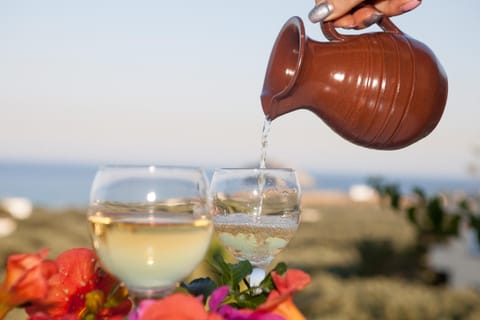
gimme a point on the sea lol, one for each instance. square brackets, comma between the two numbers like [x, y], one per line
[68, 185]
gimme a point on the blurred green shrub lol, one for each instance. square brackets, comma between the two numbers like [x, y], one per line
[433, 220]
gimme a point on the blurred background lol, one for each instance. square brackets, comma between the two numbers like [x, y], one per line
[84, 83]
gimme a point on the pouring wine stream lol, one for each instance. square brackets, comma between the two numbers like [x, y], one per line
[258, 274]
[256, 211]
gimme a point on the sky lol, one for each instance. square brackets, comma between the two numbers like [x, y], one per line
[178, 82]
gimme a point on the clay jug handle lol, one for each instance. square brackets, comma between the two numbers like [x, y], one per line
[331, 33]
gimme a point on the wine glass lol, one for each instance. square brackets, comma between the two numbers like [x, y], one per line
[150, 225]
[255, 212]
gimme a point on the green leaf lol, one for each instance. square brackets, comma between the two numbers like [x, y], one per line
[280, 268]
[200, 286]
[220, 266]
[239, 271]
[231, 274]
[245, 300]
[267, 284]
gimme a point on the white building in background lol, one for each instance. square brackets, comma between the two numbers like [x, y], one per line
[11, 209]
[18, 207]
[362, 193]
[7, 226]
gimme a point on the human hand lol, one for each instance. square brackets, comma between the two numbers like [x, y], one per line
[358, 14]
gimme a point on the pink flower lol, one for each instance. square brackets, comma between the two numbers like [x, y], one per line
[140, 309]
[229, 313]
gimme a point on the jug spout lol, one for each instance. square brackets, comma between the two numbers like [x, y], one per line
[381, 90]
[283, 70]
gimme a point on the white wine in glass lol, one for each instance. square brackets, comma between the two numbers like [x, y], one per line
[150, 225]
[256, 212]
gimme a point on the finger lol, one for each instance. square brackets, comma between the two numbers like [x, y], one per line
[366, 16]
[326, 10]
[346, 21]
[359, 19]
[396, 7]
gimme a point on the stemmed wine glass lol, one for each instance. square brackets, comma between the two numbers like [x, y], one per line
[255, 212]
[150, 225]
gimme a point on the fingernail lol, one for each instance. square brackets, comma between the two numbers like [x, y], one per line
[410, 5]
[374, 18]
[320, 12]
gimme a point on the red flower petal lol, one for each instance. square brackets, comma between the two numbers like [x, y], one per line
[280, 301]
[26, 278]
[75, 278]
[19, 264]
[78, 274]
[293, 280]
[177, 307]
[77, 268]
[283, 306]
[67, 288]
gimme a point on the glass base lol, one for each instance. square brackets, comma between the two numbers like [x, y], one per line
[139, 293]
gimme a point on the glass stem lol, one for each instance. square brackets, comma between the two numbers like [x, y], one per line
[256, 277]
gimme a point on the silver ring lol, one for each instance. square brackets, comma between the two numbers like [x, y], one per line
[320, 12]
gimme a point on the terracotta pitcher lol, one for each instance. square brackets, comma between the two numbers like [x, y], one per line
[382, 90]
